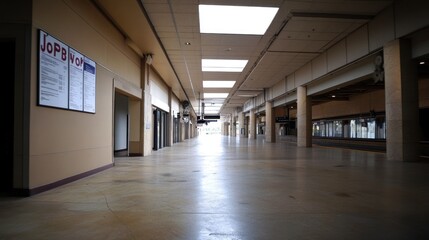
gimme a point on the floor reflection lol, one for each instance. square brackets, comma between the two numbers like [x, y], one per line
[214, 199]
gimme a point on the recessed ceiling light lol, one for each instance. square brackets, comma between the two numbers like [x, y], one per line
[187, 43]
[215, 95]
[223, 19]
[218, 84]
[333, 96]
[421, 63]
[223, 65]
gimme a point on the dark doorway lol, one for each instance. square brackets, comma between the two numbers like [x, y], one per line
[121, 125]
[7, 68]
[176, 130]
[159, 129]
[424, 120]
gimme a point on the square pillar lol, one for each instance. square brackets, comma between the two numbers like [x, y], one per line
[303, 118]
[402, 109]
[252, 124]
[145, 111]
[241, 118]
[170, 118]
[233, 127]
[269, 123]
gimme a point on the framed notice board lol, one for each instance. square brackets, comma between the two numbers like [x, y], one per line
[66, 78]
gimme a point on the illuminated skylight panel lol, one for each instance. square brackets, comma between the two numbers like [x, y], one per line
[223, 65]
[215, 95]
[212, 112]
[223, 19]
[218, 84]
[206, 109]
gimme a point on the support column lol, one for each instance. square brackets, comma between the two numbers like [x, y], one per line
[252, 125]
[170, 120]
[222, 129]
[145, 111]
[269, 123]
[402, 109]
[241, 118]
[187, 129]
[303, 118]
[233, 127]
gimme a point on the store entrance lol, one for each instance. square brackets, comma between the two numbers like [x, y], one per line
[7, 68]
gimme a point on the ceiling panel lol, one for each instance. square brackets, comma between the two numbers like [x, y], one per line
[274, 66]
[301, 40]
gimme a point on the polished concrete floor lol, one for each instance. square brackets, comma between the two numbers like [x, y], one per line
[215, 187]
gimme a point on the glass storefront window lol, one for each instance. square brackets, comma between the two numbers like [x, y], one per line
[358, 129]
[368, 128]
[330, 129]
[371, 128]
[364, 129]
[322, 129]
[381, 127]
[353, 128]
[346, 128]
[338, 129]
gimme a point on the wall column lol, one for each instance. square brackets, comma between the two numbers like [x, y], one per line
[252, 124]
[222, 129]
[303, 118]
[233, 127]
[241, 118]
[187, 129]
[402, 109]
[170, 121]
[269, 123]
[145, 111]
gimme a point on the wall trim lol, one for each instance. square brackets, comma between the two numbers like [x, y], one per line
[37, 190]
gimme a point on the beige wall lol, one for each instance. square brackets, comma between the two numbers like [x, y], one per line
[66, 143]
[358, 104]
[364, 103]
[134, 138]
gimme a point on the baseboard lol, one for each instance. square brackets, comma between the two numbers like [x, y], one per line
[37, 190]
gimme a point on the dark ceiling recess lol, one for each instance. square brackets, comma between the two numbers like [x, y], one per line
[423, 67]
[344, 93]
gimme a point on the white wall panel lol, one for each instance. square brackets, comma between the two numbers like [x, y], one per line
[337, 56]
[175, 106]
[381, 29]
[260, 99]
[159, 94]
[290, 98]
[319, 66]
[248, 105]
[279, 102]
[420, 44]
[269, 94]
[303, 75]
[357, 44]
[361, 70]
[290, 82]
[410, 16]
[279, 88]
